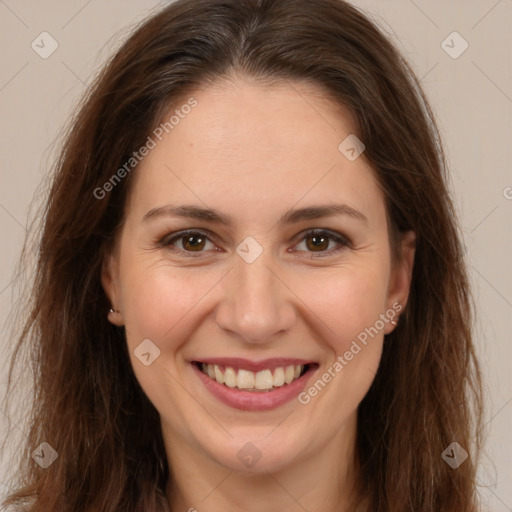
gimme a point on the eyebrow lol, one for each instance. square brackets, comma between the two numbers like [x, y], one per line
[289, 217]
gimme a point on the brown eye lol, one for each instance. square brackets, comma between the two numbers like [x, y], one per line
[323, 242]
[318, 242]
[188, 242]
[193, 242]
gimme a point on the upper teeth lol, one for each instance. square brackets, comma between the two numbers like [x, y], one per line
[245, 379]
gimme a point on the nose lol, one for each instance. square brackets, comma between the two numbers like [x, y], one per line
[256, 304]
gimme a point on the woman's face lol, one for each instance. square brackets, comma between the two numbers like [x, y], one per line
[250, 173]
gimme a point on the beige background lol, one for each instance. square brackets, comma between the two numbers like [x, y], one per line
[471, 95]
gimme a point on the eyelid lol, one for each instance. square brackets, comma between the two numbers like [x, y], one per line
[341, 240]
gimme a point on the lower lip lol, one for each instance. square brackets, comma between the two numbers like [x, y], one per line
[255, 400]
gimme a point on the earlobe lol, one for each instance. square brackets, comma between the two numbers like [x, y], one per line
[401, 277]
[109, 282]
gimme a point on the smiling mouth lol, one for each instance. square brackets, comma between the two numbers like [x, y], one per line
[245, 380]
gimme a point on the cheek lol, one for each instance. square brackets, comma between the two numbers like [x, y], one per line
[162, 305]
[345, 301]
[159, 302]
[349, 308]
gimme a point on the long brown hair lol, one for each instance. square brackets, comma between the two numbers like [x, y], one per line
[87, 403]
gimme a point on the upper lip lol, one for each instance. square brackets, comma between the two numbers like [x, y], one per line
[254, 366]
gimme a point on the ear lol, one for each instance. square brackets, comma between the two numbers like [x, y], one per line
[110, 284]
[401, 276]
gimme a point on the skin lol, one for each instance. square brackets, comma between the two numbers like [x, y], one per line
[254, 151]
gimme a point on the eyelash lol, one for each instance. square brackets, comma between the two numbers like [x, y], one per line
[343, 242]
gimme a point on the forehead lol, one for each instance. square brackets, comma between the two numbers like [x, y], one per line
[252, 147]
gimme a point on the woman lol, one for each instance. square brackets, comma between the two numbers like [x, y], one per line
[250, 291]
